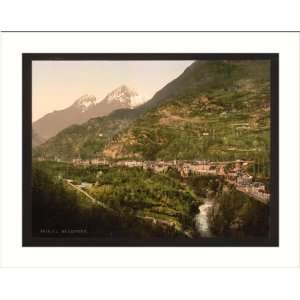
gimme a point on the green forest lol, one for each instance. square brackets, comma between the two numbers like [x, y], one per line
[57, 208]
[158, 205]
[214, 111]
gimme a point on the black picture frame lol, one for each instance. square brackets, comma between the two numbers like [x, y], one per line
[29, 241]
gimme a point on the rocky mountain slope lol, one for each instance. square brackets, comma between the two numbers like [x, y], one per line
[85, 108]
[215, 110]
[36, 139]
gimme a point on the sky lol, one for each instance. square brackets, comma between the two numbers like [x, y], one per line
[58, 84]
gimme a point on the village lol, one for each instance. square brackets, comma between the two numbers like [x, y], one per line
[235, 174]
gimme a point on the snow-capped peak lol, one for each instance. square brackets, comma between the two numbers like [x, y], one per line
[124, 95]
[85, 102]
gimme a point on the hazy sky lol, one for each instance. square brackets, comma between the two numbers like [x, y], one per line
[57, 84]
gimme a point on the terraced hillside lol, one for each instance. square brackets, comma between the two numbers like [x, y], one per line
[215, 121]
[215, 110]
[85, 140]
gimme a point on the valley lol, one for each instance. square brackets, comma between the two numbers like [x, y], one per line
[166, 198]
[192, 162]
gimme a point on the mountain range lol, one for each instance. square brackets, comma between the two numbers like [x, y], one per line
[36, 139]
[215, 110]
[83, 109]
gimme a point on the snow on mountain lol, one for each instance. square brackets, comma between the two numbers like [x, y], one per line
[85, 102]
[124, 95]
[85, 108]
[137, 100]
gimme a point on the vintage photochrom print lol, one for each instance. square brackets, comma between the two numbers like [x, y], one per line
[150, 149]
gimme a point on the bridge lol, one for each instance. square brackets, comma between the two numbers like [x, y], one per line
[261, 197]
[252, 192]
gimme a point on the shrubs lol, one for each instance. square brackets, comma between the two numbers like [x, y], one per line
[237, 215]
[57, 208]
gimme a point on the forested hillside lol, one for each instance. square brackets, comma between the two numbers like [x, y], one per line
[216, 110]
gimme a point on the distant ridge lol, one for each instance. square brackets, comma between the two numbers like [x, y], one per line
[85, 108]
[215, 110]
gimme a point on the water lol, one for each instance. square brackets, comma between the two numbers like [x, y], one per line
[201, 219]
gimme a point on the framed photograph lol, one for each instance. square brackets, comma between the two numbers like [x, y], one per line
[150, 149]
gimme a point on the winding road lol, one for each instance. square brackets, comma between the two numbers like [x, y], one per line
[152, 219]
[87, 195]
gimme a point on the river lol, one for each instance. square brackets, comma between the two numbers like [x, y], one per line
[201, 219]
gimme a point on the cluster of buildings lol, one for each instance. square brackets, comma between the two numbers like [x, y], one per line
[158, 166]
[184, 167]
[198, 168]
[90, 162]
[232, 171]
[236, 175]
[244, 183]
[256, 190]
